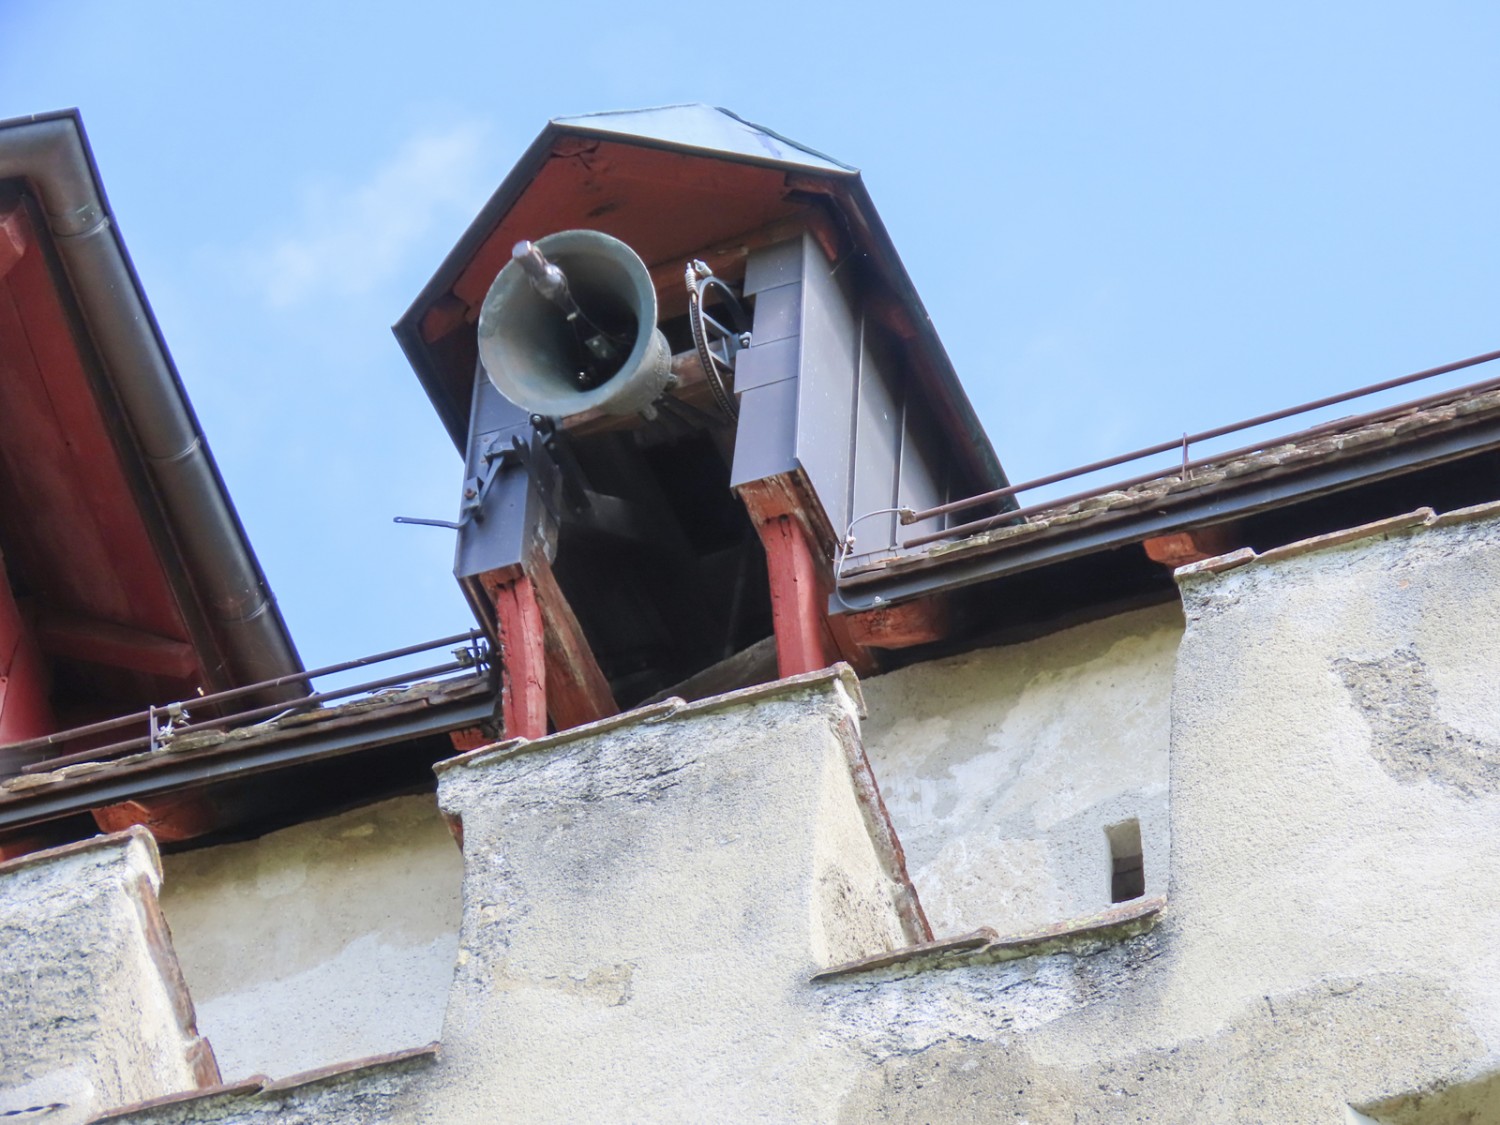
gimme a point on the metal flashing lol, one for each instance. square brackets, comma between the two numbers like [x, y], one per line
[705, 128]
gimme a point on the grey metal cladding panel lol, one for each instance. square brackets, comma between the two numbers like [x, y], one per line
[511, 512]
[765, 442]
[775, 265]
[877, 442]
[826, 384]
[510, 507]
[923, 465]
[778, 313]
[763, 364]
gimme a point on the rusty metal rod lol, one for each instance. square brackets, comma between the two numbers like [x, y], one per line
[117, 749]
[1189, 439]
[1351, 422]
[46, 740]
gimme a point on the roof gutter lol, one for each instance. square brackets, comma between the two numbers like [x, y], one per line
[50, 153]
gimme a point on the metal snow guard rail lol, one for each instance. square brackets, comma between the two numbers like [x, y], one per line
[1187, 440]
[172, 719]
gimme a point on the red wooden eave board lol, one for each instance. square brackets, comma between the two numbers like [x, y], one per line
[71, 527]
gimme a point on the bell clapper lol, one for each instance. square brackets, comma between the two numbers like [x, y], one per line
[600, 347]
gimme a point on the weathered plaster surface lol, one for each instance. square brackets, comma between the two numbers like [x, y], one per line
[648, 901]
[1002, 768]
[92, 1011]
[644, 910]
[645, 904]
[361, 1093]
[1335, 878]
[1332, 718]
[329, 941]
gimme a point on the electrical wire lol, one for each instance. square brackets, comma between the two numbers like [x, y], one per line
[846, 548]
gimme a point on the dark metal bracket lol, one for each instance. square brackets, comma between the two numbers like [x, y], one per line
[546, 459]
[554, 470]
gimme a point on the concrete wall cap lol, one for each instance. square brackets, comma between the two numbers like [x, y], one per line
[671, 708]
[132, 835]
[425, 1055]
[259, 1086]
[983, 946]
[1417, 520]
[232, 1090]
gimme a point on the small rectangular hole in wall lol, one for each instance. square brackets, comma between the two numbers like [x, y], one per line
[1127, 865]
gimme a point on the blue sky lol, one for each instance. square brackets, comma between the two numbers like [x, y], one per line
[1127, 220]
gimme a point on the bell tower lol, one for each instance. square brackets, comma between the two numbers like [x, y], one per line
[690, 378]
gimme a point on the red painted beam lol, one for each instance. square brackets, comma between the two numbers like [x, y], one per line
[1182, 547]
[797, 598]
[115, 646]
[171, 818]
[12, 240]
[33, 839]
[523, 657]
[901, 626]
[470, 738]
[25, 711]
[800, 568]
[577, 690]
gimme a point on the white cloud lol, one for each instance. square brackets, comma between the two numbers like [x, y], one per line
[352, 238]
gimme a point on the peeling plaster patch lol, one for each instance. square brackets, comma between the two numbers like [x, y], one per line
[904, 1011]
[1396, 696]
[1014, 876]
[329, 940]
[1377, 1037]
[68, 1087]
[607, 985]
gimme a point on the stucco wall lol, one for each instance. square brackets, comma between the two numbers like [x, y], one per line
[321, 943]
[1002, 768]
[1335, 876]
[644, 905]
[651, 903]
[93, 1011]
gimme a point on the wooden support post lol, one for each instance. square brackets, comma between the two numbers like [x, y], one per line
[546, 665]
[800, 566]
[577, 691]
[523, 675]
[797, 598]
